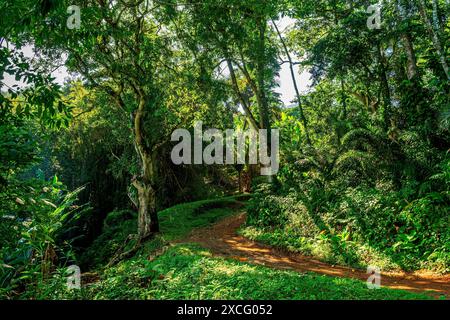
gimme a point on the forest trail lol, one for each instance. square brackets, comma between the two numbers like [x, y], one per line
[222, 239]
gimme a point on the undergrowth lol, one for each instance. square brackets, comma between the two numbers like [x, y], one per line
[186, 271]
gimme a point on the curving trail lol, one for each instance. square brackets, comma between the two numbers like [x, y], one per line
[222, 240]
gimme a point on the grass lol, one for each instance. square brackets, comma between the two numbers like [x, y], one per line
[178, 221]
[186, 271]
[326, 249]
[175, 223]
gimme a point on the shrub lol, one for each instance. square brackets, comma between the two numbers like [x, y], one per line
[425, 234]
[117, 217]
[118, 225]
[31, 245]
[266, 209]
[277, 211]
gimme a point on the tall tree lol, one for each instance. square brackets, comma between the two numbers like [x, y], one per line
[288, 55]
[119, 51]
[433, 32]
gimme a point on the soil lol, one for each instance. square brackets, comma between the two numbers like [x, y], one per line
[222, 239]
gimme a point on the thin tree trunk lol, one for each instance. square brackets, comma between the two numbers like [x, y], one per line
[260, 75]
[344, 100]
[294, 81]
[240, 96]
[239, 181]
[411, 67]
[252, 83]
[434, 37]
[436, 23]
[386, 90]
[264, 112]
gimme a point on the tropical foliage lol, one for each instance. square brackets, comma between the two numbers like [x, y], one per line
[86, 176]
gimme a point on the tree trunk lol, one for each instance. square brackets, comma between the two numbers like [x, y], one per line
[294, 81]
[264, 112]
[147, 215]
[385, 87]
[246, 108]
[344, 100]
[264, 116]
[436, 23]
[411, 65]
[145, 183]
[434, 37]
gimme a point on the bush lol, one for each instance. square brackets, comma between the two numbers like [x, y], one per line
[31, 244]
[118, 225]
[114, 218]
[424, 236]
[360, 226]
[267, 210]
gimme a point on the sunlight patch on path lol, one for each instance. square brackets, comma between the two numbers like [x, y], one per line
[222, 240]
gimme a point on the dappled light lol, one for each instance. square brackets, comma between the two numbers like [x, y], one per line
[224, 149]
[222, 239]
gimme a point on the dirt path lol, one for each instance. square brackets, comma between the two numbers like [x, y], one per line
[222, 240]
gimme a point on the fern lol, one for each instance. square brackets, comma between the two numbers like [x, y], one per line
[361, 138]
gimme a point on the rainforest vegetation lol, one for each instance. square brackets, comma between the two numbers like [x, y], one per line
[87, 179]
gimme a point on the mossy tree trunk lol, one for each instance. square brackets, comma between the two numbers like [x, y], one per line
[145, 183]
